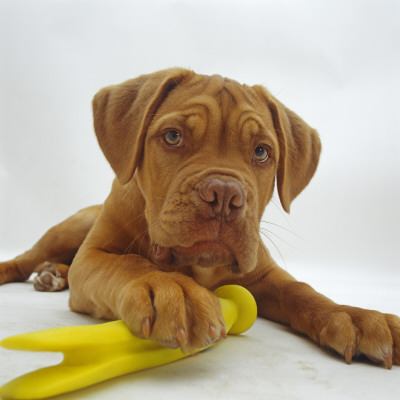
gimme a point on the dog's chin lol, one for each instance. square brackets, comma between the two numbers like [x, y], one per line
[206, 260]
[207, 254]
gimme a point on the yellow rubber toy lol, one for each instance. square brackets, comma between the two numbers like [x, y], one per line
[96, 353]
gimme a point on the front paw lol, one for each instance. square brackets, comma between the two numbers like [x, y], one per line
[173, 310]
[353, 331]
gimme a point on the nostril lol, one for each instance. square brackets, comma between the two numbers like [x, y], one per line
[208, 194]
[235, 203]
[235, 195]
[215, 202]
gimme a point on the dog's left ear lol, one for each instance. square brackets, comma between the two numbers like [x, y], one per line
[122, 114]
[299, 147]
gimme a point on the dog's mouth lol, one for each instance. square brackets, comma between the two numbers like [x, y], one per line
[204, 246]
[204, 253]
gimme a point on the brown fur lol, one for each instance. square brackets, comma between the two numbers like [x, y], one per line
[183, 219]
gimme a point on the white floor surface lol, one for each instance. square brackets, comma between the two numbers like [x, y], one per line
[269, 361]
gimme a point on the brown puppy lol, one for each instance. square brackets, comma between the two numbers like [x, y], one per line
[196, 159]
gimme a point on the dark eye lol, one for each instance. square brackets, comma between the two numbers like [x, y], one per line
[173, 138]
[261, 153]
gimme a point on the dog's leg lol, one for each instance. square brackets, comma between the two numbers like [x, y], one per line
[350, 331]
[170, 308]
[57, 247]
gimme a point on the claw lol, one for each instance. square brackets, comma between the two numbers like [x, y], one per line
[212, 331]
[146, 327]
[387, 360]
[181, 336]
[223, 333]
[348, 354]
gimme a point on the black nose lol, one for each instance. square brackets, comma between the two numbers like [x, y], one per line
[224, 198]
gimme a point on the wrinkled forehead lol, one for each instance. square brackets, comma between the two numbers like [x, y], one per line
[221, 103]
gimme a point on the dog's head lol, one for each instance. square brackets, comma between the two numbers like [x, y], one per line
[205, 152]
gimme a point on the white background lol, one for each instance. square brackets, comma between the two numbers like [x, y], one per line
[334, 62]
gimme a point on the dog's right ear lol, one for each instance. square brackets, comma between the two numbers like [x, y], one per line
[122, 114]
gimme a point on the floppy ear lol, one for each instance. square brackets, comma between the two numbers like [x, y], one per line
[122, 114]
[299, 147]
